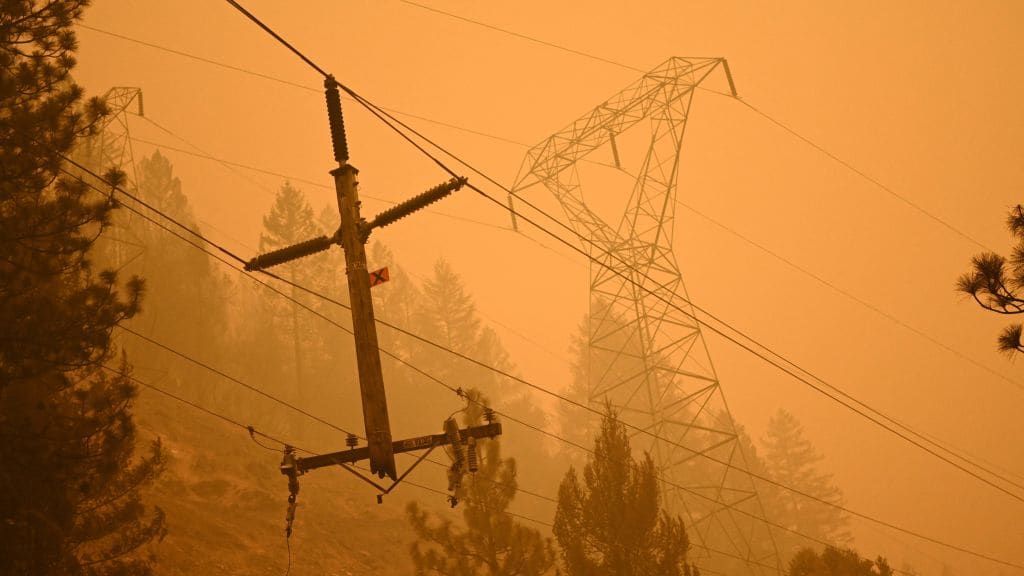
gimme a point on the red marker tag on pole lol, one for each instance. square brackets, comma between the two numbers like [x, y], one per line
[379, 276]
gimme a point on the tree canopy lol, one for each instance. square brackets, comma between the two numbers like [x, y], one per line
[612, 523]
[70, 480]
[790, 459]
[836, 562]
[493, 543]
[997, 283]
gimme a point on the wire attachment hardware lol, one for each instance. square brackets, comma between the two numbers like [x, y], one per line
[289, 468]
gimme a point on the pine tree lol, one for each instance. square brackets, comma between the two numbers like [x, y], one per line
[290, 221]
[996, 283]
[492, 543]
[186, 297]
[606, 349]
[791, 460]
[447, 315]
[450, 314]
[70, 479]
[181, 279]
[612, 523]
[444, 313]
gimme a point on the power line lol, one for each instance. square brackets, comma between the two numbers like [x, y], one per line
[755, 352]
[803, 270]
[388, 119]
[854, 298]
[944, 223]
[565, 399]
[253, 432]
[200, 153]
[410, 366]
[572, 51]
[243, 384]
[275, 399]
[317, 91]
[774, 254]
[512, 330]
[275, 35]
[376, 112]
[851, 296]
[941, 221]
[198, 58]
[289, 83]
[784, 369]
[142, 202]
[522, 144]
[226, 376]
[229, 163]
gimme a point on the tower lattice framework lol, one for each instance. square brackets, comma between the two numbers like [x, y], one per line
[647, 356]
[110, 147]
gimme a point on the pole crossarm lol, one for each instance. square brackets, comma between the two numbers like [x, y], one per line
[353, 455]
[321, 243]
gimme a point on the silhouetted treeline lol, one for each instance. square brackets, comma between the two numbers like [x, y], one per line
[70, 474]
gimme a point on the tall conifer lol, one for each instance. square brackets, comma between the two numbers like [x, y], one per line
[69, 479]
[611, 522]
[790, 459]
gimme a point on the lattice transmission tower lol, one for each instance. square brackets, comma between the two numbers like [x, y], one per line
[110, 147]
[647, 356]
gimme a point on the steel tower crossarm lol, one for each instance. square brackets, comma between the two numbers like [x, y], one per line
[553, 161]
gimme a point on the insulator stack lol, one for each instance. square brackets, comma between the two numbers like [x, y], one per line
[351, 441]
[416, 202]
[512, 213]
[451, 430]
[489, 415]
[615, 149]
[338, 138]
[289, 253]
[471, 456]
[454, 481]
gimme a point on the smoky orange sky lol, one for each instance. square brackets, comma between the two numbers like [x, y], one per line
[924, 96]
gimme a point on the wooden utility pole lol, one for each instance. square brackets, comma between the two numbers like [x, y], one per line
[352, 236]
